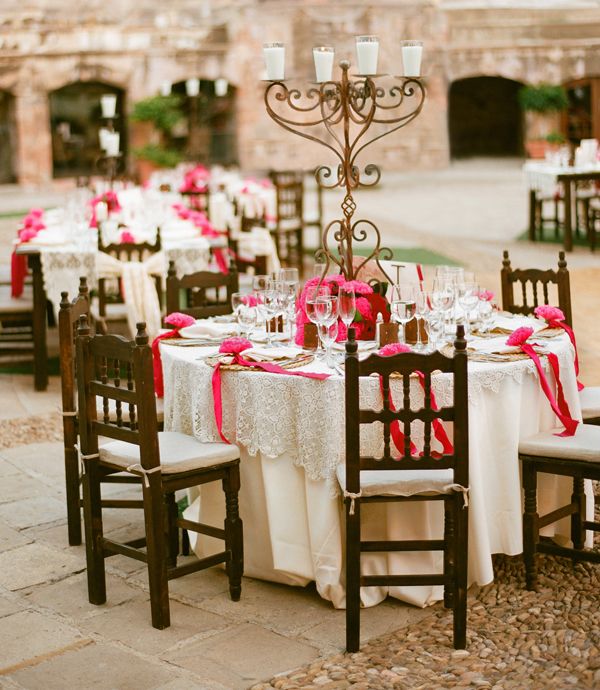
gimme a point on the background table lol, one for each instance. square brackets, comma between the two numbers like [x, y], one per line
[290, 431]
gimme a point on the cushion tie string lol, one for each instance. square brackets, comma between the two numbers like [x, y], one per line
[138, 469]
[352, 497]
[459, 487]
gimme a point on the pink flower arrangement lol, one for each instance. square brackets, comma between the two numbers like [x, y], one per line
[368, 306]
[31, 224]
[195, 181]
[250, 300]
[179, 320]
[27, 234]
[393, 349]
[235, 345]
[127, 237]
[486, 295]
[520, 336]
[549, 313]
[111, 200]
[198, 218]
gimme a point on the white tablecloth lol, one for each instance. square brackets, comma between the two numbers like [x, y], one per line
[291, 434]
[541, 175]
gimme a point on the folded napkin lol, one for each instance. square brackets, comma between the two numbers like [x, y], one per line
[49, 237]
[506, 324]
[271, 354]
[209, 329]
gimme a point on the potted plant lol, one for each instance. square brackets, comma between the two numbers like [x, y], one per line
[155, 117]
[542, 105]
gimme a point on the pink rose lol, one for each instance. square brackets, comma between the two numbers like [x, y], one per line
[486, 295]
[393, 349]
[549, 313]
[179, 320]
[520, 335]
[235, 345]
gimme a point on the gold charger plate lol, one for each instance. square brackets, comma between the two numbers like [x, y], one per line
[291, 363]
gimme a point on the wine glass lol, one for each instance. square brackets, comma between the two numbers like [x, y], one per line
[486, 315]
[273, 309]
[314, 293]
[328, 333]
[468, 297]
[246, 312]
[346, 305]
[443, 297]
[403, 305]
[434, 325]
[422, 306]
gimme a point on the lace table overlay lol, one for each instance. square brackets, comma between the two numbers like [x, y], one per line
[274, 414]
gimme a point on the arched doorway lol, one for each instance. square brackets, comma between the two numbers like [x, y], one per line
[484, 118]
[208, 134]
[7, 138]
[75, 121]
[582, 119]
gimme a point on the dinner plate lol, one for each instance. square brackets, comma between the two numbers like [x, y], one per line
[363, 345]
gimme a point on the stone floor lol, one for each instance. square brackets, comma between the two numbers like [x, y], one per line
[50, 637]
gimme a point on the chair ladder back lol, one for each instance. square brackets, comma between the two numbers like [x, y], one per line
[202, 291]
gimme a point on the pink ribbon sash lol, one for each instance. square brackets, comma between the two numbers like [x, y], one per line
[438, 428]
[159, 385]
[265, 366]
[561, 409]
[569, 331]
[18, 273]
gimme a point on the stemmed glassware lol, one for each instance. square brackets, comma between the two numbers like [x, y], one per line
[290, 280]
[328, 333]
[422, 306]
[443, 297]
[486, 315]
[434, 325]
[403, 305]
[260, 282]
[468, 298]
[273, 306]
[326, 310]
[346, 305]
[246, 311]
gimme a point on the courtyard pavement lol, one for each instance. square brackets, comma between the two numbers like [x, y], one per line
[51, 637]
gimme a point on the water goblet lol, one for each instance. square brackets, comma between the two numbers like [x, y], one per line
[486, 315]
[468, 297]
[434, 326]
[328, 333]
[245, 309]
[347, 305]
[403, 306]
[273, 309]
[314, 293]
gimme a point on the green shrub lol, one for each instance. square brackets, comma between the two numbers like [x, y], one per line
[555, 138]
[543, 98]
[163, 111]
[164, 158]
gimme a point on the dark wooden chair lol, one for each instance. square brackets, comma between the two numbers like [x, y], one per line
[126, 251]
[198, 201]
[110, 367]
[257, 264]
[16, 326]
[289, 230]
[367, 480]
[68, 320]
[531, 280]
[576, 456]
[205, 293]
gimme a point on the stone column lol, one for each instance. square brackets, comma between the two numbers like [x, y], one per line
[34, 140]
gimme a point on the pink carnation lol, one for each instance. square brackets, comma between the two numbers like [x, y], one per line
[363, 307]
[27, 234]
[486, 295]
[36, 212]
[358, 286]
[549, 313]
[520, 335]
[235, 345]
[127, 237]
[179, 320]
[393, 349]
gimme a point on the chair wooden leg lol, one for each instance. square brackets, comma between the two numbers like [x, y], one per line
[72, 486]
[577, 519]
[353, 577]
[171, 529]
[450, 553]
[185, 543]
[94, 550]
[234, 537]
[461, 517]
[530, 526]
[156, 553]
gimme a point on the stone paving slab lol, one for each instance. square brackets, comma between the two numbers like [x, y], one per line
[32, 511]
[35, 564]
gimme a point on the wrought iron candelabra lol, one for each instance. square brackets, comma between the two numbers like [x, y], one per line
[347, 109]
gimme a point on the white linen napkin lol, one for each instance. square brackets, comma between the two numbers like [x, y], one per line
[270, 354]
[208, 329]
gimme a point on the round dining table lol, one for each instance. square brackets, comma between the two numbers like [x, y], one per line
[290, 431]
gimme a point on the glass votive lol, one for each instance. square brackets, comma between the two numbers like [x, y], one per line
[367, 52]
[323, 56]
[108, 103]
[411, 58]
[221, 87]
[165, 88]
[274, 54]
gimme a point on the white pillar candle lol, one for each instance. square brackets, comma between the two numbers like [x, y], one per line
[112, 144]
[102, 134]
[367, 52]
[165, 88]
[411, 58]
[108, 102]
[192, 87]
[274, 54]
[101, 211]
[323, 57]
[221, 87]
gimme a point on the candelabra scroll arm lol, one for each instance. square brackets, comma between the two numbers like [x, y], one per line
[286, 95]
[329, 122]
[406, 90]
[378, 252]
[324, 172]
[324, 252]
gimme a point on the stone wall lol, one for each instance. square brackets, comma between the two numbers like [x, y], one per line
[138, 44]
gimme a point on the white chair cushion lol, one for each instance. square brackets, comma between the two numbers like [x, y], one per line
[590, 402]
[584, 445]
[112, 409]
[400, 482]
[178, 453]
